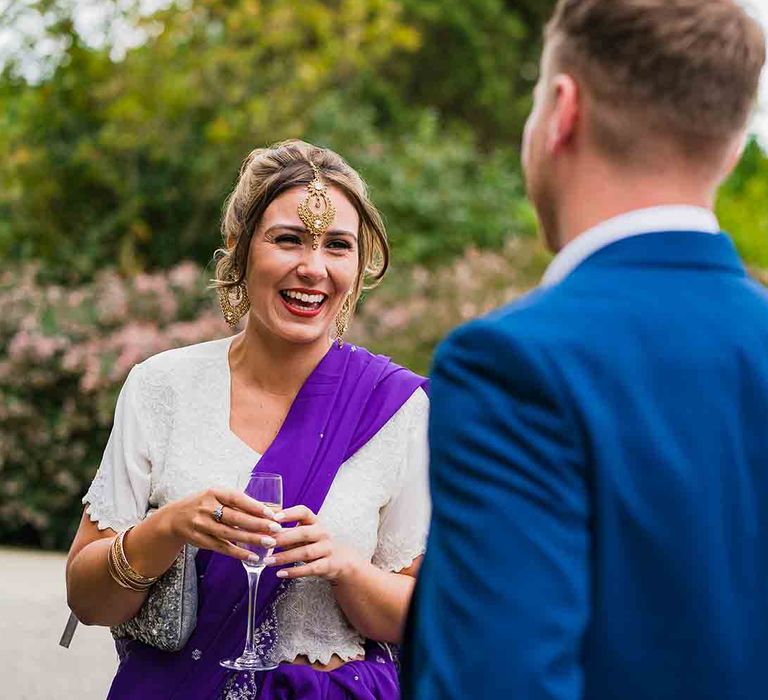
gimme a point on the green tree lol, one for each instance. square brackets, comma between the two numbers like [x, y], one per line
[128, 162]
[477, 63]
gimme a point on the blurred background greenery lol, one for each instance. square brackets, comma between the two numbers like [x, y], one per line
[114, 165]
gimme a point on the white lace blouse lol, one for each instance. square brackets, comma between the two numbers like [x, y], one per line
[171, 438]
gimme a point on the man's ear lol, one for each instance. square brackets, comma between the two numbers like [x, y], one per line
[565, 114]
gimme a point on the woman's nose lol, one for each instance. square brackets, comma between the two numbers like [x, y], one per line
[312, 265]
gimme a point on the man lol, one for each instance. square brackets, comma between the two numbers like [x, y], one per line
[600, 447]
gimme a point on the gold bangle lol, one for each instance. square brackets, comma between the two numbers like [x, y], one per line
[117, 576]
[122, 572]
[125, 567]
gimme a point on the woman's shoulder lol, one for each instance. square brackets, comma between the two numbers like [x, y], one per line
[413, 415]
[392, 376]
[400, 380]
[162, 380]
[395, 384]
[165, 383]
[417, 405]
[179, 362]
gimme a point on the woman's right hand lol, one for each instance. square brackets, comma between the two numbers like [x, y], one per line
[244, 519]
[153, 544]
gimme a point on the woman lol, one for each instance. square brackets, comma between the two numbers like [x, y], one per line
[348, 429]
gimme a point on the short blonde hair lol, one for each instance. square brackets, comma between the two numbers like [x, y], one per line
[269, 172]
[688, 69]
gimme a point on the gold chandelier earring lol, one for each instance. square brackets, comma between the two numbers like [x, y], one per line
[234, 301]
[342, 320]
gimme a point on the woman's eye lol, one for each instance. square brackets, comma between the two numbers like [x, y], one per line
[339, 245]
[288, 238]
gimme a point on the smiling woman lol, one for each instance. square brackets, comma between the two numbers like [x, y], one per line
[345, 429]
[301, 196]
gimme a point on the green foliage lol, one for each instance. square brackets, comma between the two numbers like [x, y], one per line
[742, 207]
[477, 62]
[127, 163]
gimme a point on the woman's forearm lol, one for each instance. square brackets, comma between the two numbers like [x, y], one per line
[92, 593]
[375, 601]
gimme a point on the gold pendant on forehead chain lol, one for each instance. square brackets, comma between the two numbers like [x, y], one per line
[317, 211]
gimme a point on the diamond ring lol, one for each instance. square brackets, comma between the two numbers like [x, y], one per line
[218, 513]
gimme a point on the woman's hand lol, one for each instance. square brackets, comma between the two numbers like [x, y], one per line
[309, 542]
[244, 520]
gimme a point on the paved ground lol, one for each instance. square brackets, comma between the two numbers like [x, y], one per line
[33, 611]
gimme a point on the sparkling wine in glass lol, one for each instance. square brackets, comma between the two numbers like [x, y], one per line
[268, 489]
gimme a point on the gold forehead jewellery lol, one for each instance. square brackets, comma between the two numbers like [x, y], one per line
[316, 211]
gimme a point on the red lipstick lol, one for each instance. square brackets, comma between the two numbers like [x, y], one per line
[296, 308]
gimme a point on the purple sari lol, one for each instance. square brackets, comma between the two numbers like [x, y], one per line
[346, 400]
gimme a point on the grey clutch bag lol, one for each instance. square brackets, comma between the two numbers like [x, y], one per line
[169, 614]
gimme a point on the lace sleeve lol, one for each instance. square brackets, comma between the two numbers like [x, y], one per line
[404, 521]
[119, 494]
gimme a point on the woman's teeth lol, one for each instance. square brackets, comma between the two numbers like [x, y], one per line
[303, 301]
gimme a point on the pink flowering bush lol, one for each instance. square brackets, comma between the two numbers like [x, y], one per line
[64, 354]
[415, 307]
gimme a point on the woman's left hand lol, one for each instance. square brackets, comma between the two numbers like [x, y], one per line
[309, 542]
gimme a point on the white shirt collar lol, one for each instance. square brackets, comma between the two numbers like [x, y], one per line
[633, 223]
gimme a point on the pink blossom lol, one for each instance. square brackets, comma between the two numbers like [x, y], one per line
[185, 275]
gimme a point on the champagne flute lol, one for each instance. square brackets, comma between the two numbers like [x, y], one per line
[267, 488]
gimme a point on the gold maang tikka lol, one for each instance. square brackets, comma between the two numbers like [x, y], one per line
[317, 211]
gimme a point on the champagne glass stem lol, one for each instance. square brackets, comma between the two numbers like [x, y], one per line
[253, 587]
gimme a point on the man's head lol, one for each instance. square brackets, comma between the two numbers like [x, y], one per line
[642, 88]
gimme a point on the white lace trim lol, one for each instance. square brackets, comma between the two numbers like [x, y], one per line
[395, 554]
[318, 628]
[103, 519]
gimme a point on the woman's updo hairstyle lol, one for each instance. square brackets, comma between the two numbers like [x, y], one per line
[268, 172]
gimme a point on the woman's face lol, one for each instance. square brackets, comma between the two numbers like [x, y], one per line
[296, 292]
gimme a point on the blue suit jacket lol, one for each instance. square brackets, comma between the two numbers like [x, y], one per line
[600, 485]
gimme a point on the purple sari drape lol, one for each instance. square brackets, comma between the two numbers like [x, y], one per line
[346, 400]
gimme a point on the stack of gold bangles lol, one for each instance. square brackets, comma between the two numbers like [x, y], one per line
[123, 573]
